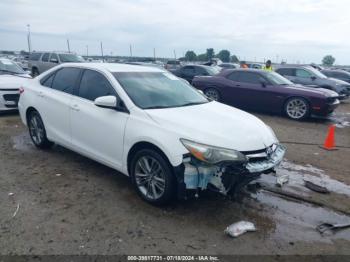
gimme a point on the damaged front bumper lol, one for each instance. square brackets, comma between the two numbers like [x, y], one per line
[228, 177]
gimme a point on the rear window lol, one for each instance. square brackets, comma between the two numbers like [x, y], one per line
[286, 71]
[65, 80]
[35, 56]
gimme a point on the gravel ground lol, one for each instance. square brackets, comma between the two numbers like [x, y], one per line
[58, 202]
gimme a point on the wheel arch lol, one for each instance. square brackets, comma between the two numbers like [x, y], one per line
[28, 111]
[144, 145]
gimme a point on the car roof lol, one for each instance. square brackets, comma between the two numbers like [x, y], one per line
[335, 70]
[115, 67]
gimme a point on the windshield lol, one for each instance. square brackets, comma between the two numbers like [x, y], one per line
[316, 73]
[66, 58]
[158, 90]
[9, 66]
[277, 79]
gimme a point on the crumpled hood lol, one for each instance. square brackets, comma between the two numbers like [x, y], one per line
[12, 82]
[314, 90]
[215, 124]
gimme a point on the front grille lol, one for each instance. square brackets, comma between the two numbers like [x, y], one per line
[259, 155]
[11, 99]
[331, 100]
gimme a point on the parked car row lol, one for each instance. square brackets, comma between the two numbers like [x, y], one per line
[267, 91]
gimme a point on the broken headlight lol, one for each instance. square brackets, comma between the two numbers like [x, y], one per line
[212, 154]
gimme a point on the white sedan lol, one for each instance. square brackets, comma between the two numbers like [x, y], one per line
[12, 77]
[149, 125]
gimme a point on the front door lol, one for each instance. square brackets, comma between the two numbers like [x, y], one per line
[97, 132]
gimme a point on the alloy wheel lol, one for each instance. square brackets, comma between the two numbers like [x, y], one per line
[36, 129]
[296, 108]
[212, 94]
[150, 177]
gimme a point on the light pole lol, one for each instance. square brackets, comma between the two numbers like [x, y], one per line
[87, 51]
[29, 39]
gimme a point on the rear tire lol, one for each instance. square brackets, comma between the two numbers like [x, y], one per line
[297, 108]
[152, 177]
[213, 94]
[37, 131]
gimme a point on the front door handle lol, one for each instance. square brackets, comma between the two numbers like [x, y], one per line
[41, 94]
[75, 107]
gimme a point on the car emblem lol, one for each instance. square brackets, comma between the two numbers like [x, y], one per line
[269, 151]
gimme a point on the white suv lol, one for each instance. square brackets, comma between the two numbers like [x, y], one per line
[150, 125]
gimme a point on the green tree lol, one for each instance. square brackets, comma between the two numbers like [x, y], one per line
[234, 59]
[210, 53]
[202, 57]
[328, 60]
[224, 55]
[190, 56]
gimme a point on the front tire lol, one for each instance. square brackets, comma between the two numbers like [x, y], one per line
[37, 131]
[213, 94]
[153, 177]
[297, 108]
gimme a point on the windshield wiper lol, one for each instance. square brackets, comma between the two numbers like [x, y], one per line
[193, 103]
[155, 107]
[12, 73]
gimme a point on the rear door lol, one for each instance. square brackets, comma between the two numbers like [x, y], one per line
[45, 64]
[54, 103]
[97, 132]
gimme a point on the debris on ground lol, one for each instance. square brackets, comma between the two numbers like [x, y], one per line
[14, 214]
[316, 188]
[239, 228]
[58, 174]
[283, 179]
[11, 194]
[322, 228]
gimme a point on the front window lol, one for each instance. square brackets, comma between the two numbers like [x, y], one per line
[277, 79]
[149, 90]
[8, 66]
[316, 73]
[70, 58]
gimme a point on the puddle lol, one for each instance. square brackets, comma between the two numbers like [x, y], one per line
[22, 142]
[299, 173]
[341, 120]
[296, 221]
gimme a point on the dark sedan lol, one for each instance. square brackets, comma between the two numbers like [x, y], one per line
[338, 74]
[188, 72]
[267, 91]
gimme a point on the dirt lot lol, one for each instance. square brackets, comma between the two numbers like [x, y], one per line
[68, 204]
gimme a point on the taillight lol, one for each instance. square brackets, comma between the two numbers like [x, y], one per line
[21, 90]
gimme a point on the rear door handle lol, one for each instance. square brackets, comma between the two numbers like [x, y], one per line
[75, 107]
[41, 94]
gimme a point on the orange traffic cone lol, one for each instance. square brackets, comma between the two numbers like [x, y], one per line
[329, 143]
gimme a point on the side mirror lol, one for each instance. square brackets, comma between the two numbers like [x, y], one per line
[106, 102]
[263, 83]
[54, 60]
[313, 78]
[200, 91]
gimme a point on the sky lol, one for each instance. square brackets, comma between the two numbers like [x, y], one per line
[296, 31]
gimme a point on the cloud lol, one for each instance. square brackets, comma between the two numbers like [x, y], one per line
[302, 30]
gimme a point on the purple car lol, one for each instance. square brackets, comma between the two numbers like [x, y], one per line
[267, 91]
